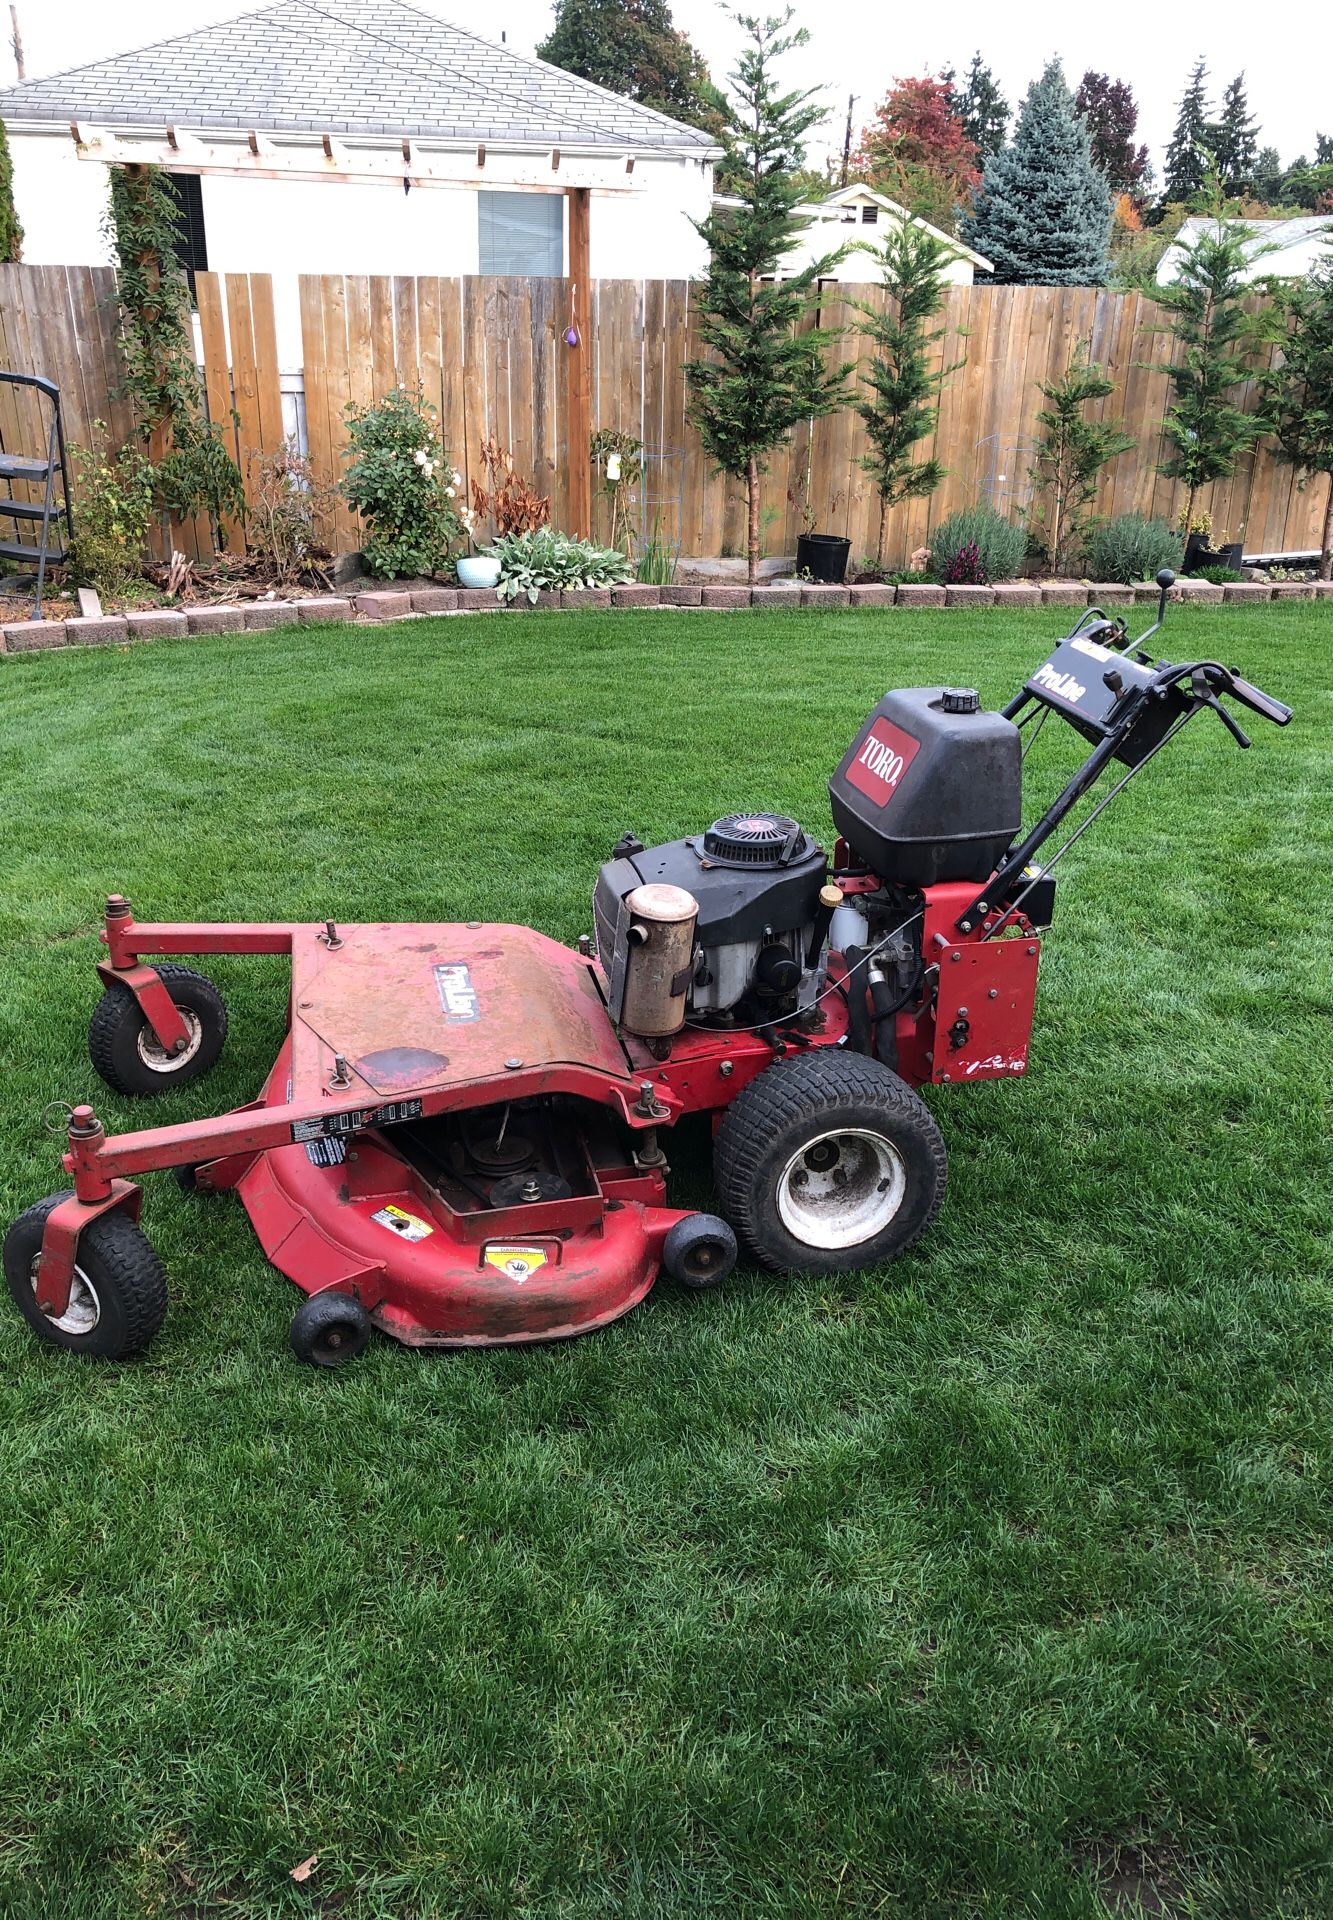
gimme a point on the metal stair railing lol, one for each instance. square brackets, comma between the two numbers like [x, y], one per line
[49, 549]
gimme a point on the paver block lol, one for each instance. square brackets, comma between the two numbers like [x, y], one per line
[215, 619]
[585, 599]
[96, 630]
[1247, 590]
[26, 636]
[270, 613]
[1110, 593]
[390, 605]
[158, 625]
[1203, 593]
[1323, 589]
[1293, 589]
[639, 593]
[674, 596]
[774, 596]
[725, 597]
[1064, 593]
[824, 595]
[1015, 593]
[912, 594]
[1146, 591]
[328, 606]
[875, 595]
[966, 596]
[478, 600]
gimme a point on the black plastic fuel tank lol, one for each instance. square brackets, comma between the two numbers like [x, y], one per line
[931, 787]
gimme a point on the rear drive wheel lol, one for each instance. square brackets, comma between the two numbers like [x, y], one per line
[829, 1161]
[330, 1328]
[127, 1053]
[119, 1296]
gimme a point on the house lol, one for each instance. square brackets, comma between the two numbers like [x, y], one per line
[360, 136]
[858, 217]
[1286, 249]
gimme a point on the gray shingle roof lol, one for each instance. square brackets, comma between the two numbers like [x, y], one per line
[348, 67]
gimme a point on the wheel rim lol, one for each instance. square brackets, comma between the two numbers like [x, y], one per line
[84, 1309]
[159, 1059]
[841, 1188]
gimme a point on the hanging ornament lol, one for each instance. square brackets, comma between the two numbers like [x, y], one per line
[572, 330]
[613, 466]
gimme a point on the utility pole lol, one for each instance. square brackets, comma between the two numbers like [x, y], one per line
[16, 41]
[846, 141]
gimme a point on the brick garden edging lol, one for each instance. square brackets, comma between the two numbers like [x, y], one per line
[390, 604]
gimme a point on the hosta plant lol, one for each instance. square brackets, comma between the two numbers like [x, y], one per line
[545, 560]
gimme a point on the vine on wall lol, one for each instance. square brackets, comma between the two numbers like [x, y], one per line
[11, 233]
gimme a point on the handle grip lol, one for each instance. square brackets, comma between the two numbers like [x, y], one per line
[1258, 701]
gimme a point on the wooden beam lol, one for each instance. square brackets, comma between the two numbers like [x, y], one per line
[578, 363]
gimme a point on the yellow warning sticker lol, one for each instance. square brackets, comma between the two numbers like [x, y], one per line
[516, 1263]
[406, 1225]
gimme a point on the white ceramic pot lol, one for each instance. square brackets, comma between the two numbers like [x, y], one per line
[478, 570]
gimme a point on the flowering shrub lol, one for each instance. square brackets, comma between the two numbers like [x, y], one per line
[400, 482]
[966, 568]
[997, 545]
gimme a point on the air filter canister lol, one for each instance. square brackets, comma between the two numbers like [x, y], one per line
[657, 966]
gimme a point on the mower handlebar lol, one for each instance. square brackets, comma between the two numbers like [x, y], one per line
[1256, 699]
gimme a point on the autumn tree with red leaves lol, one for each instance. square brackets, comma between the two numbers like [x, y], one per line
[917, 151]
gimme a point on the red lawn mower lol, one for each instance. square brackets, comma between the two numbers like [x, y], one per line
[460, 1141]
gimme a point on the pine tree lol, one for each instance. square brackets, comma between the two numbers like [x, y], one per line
[901, 405]
[983, 108]
[1299, 392]
[1208, 430]
[1043, 213]
[1070, 458]
[1235, 143]
[11, 233]
[634, 47]
[1186, 166]
[763, 375]
[1112, 115]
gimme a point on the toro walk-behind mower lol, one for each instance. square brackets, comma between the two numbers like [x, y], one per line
[460, 1141]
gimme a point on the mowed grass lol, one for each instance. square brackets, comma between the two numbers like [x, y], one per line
[997, 1582]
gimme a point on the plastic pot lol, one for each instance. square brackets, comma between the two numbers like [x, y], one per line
[823, 556]
[478, 570]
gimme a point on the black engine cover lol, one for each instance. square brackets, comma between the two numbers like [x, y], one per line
[739, 898]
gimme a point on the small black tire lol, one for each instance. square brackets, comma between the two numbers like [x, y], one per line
[124, 1050]
[699, 1251]
[829, 1162]
[329, 1329]
[119, 1297]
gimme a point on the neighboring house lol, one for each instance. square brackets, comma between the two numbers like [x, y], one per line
[304, 122]
[859, 217]
[1287, 249]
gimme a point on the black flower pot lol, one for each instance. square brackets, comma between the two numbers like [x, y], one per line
[823, 556]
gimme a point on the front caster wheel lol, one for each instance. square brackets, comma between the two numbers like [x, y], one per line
[329, 1329]
[828, 1162]
[699, 1251]
[127, 1053]
[119, 1296]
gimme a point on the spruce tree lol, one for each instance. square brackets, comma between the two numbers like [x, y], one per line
[763, 374]
[634, 47]
[1235, 142]
[901, 404]
[1207, 428]
[1299, 392]
[1043, 213]
[1186, 166]
[1268, 174]
[982, 107]
[11, 233]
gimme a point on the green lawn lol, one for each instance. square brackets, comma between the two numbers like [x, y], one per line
[997, 1582]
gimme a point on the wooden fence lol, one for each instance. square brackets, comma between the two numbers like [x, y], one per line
[489, 354]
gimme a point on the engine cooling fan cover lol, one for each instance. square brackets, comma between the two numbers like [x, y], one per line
[756, 840]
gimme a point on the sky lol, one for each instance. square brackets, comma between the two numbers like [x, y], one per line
[860, 46]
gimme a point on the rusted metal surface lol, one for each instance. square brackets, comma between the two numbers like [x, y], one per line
[155, 1003]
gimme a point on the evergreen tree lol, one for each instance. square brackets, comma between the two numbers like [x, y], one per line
[1206, 427]
[1268, 174]
[1186, 165]
[1043, 213]
[11, 233]
[1323, 149]
[1071, 456]
[983, 109]
[1234, 141]
[901, 405]
[1299, 391]
[763, 375]
[1112, 115]
[634, 47]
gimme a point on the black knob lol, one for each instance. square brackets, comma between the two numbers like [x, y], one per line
[960, 700]
[1166, 578]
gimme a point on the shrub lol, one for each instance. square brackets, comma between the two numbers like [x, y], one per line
[510, 503]
[283, 526]
[399, 482]
[545, 559]
[1132, 547]
[1219, 576]
[966, 569]
[1000, 545]
[113, 504]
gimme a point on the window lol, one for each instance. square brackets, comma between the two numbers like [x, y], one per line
[521, 233]
[870, 216]
[191, 248]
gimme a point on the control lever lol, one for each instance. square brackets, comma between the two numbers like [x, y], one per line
[1204, 682]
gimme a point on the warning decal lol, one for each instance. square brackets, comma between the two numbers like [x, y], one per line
[515, 1263]
[458, 996]
[406, 1225]
[326, 1126]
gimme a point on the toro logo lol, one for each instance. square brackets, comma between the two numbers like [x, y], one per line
[881, 760]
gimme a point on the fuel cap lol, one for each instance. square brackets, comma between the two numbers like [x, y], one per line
[960, 700]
